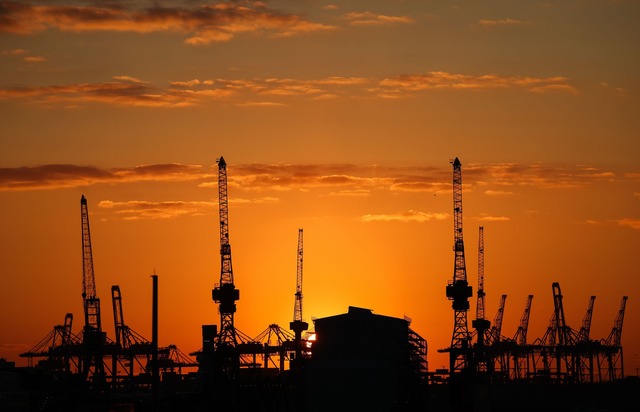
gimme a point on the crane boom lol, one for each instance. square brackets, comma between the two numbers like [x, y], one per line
[496, 329]
[585, 329]
[521, 334]
[615, 337]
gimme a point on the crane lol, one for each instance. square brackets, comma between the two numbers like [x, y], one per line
[93, 338]
[128, 342]
[458, 290]
[612, 347]
[298, 325]
[225, 292]
[481, 324]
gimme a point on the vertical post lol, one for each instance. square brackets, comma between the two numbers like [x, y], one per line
[155, 372]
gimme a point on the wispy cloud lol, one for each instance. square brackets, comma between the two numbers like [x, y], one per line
[203, 24]
[408, 216]
[633, 223]
[507, 22]
[367, 18]
[498, 179]
[125, 90]
[57, 176]
[483, 217]
[23, 54]
[497, 193]
[139, 209]
[402, 85]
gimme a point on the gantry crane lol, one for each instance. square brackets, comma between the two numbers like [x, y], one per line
[129, 343]
[611, 352]
[585, 349]
[225, 292]
[93, 338]
[480, 324]
[458, 290]
[298, 325]
[499, 347]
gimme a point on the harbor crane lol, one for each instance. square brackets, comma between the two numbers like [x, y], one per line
[480, 324]
[298, 325]
[93, 338]
[458, 289]
[225, 292]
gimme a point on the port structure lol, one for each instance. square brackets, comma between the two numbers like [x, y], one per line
[458, 290]
[298, 325]
[225, 293]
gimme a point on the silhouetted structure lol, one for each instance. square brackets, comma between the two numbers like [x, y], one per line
[458, 290]
[362, 361]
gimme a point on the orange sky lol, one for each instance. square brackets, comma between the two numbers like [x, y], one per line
[336, 117]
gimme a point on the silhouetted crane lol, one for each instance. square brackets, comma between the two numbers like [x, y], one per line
[458, 290]
[612, 347]
[93, 338]
[225, 292]
[298, 325]
[480, 324]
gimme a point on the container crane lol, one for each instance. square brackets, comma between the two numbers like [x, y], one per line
[480, 324]
[298, 325]
[611, 352]
[585, 348]
[93, 338]
[458, 290]
[225, 292]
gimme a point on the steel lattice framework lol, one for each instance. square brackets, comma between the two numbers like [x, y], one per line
[459, 290]
[225, 292]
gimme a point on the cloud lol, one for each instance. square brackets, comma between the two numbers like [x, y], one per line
[633, 223]
[408, 216]
[139, 209]
[497, 193]
[495, 179]
[59, 176]
[368, 18]
[203, 24]
[483, 217]
[130, 91]
[402, 85]
[34, 59]
[508, 22]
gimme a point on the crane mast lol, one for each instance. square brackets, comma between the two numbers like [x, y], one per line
[458, 290]
[480, 302]
[298, 325]
[225, 292]
[297, 309]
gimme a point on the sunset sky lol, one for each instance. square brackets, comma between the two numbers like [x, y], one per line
[339, 117]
